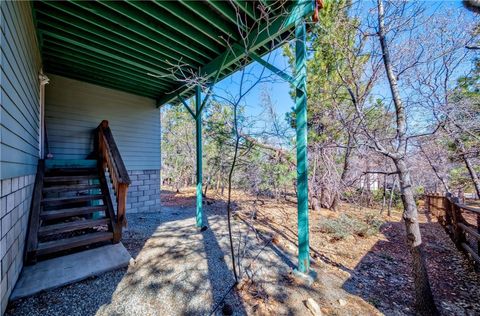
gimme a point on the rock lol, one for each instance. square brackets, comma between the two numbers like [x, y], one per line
[131, 262]
[313, 307]
[342, 302]
[291, 247]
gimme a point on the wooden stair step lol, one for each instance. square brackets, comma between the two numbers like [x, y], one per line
[70, 188]
[71, 199]
[71, 226]
[74, 242]
[69, 212]
[71, 172]
[70, 163]
[70, 178]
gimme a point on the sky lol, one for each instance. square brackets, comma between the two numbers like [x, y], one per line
[278, 89]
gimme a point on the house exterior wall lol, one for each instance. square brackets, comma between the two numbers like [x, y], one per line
[15, 199]
[73, 109]
[144, 192]
[20, 65]
[19, 135]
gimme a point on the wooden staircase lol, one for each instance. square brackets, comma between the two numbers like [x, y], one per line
[72, 207]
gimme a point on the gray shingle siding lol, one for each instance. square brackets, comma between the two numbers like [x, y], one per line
[73, 109]
[19, 92]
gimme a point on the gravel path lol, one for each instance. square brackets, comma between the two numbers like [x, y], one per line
[178, 271]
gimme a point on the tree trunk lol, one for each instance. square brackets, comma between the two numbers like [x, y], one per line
[384, 196]
[217, 184]
[313, 198]
[206, 188]
[389, 213]
[343, 177]
[423, 294]
[473, 174]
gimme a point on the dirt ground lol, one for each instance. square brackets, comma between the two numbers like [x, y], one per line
[358, 274]
[360, 257]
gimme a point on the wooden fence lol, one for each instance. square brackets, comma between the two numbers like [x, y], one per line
[452, 215]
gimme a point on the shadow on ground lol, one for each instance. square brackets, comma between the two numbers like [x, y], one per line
[179, 270]
[383, 276]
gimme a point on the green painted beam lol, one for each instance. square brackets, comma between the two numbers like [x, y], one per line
[154, 27]
[61, 61]
[108, 45]
[185, 31]
[97, 82]
[247, 7]
[87, 71]
[38, 35]
[209, 16]
[93, 48]
[72, 51]
[79, 27]
[105, 48]
[167, 52]
[80, 60]
[226, 9]
[122, 42]
[187, 107]
[301, 134]
[267, 32]
[117, 82]
[167, 40]
[272, 68]
[199, 150]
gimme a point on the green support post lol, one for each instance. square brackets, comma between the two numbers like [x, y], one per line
[301, 133]
[198, 125]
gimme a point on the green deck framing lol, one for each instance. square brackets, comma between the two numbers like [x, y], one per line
[154, 48]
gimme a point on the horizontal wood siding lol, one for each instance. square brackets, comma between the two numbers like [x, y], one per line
[19, 91]
[74, 109]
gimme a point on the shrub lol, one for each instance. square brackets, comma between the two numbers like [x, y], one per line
[347, 225]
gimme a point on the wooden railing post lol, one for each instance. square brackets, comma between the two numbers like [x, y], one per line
[458, 234]
[427, 203]
[434, 204]
[448, 211]
[442, 211]
[121, 206]
[433, 199]
[101, 143]
[109, 157]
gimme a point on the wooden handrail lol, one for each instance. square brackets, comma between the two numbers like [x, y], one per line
[469, 208]
[107, 143]
[449, 212]
[109, 158]
[34, 218]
